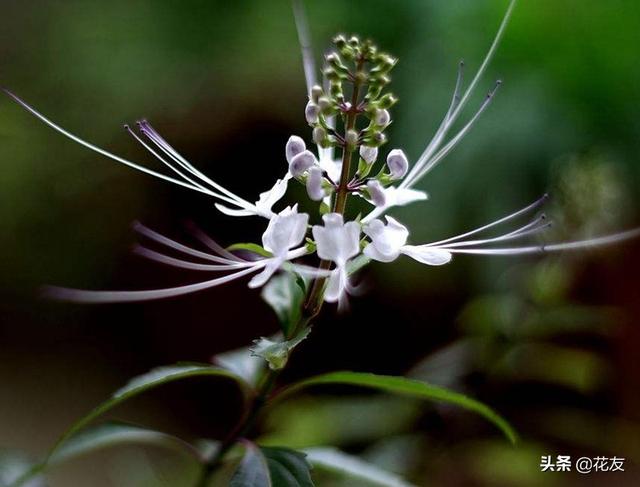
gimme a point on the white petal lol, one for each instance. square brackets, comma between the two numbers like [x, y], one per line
[301, 163]
[337, 241]
[336, 286]
[260, 279]
[295, 145]
[427, 255]
[314, 184]
[369, 154]
[404, 196]
[285, 231]
[376, 192]
[271, 197]
[373, 253]
[397, 163]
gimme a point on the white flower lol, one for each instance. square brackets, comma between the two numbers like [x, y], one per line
[301, 163]
[397, 163]
[314, 184]
[338, 242]
[395, 196]
[285, 231]
[390, 240]
[295, 145]
[369, 154]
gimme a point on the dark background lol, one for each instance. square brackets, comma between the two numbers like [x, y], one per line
[550, 343]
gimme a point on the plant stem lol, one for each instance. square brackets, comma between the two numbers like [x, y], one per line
[310, 309]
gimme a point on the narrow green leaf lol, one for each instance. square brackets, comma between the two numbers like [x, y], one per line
[250, 247]
[335, 461]
[272, 467]
[140, 384]
[407, 387]
[112, 434]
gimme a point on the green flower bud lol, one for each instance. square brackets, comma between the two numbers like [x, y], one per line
[319, 136]
[387, 101]
[351, 138]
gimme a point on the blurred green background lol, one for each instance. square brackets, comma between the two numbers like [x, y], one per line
[551, 343]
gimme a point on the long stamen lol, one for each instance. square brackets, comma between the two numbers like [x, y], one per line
[308, 63]
[184, 264]
[173, 168]
[533, 206]
[429, 164]
[155, 236]
[211, 244]
[156, 138]
[452, 116]
[555, 247]
[503, 238]
[99, 150]
[97, 297]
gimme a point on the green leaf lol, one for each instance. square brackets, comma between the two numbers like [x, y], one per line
[272, 467]
[140, 384]
[277, 353]
[335, 461]
[111, 434]
[285, 295]
[15, 466]
[251, 247]
[406, 387]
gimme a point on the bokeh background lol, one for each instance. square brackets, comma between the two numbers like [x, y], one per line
[552, 343]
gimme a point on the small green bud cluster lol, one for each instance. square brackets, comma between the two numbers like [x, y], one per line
[359, 64]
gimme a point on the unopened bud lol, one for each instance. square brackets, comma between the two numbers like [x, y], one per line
[301, 163]
[379, 138]
[387, 101]
[351, 137]
[369, 154]
[314, 184]
[340, 41]
[316, 93]
[376, 192]
[325, 104]
[295, 145]
[320, 136]
[311, 113]
[382, 117]
[397, 163]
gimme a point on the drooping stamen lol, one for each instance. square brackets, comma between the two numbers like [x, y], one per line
[554, 247]
[211, 243]
[184, 264]
[533, 206]
[97, 297]
[155, 236]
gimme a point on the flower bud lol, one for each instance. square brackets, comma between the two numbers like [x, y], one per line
[325, 104]
[376, 192]
[397, 163]
[351, 138]
[316, 93]
[382, 117]
[387, 101]
[369, 154]
[311, 113]
[295, 145]
[320, 136]
[301, 163]
[340, 41]
[314, 184]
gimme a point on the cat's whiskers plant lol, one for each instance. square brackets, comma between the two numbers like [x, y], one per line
[348, 114]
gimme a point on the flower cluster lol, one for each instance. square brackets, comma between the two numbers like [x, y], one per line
[349, 113]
